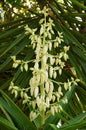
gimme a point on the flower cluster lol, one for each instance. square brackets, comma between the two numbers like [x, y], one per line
[23, 64]
[48, 63]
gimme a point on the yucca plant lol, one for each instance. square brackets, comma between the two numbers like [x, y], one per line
[16, 50]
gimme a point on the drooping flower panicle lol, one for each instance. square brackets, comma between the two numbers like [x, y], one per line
[47, 64]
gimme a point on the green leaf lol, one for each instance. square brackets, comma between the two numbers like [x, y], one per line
[74, 62]
[6, 125]
[78, 4]
[20, 118]
[13, 44]
[17, 51]
[73, 124]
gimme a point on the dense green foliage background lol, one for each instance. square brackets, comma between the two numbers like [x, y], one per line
[70, 18]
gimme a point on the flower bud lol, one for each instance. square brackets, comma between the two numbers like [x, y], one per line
[52, 111]
[26, 67]
[66, 48]
[51, 87]
[38, 100]
[46, 76]
[36, 66]
[22, 94]
[54, 75]
[52, 60]
[47, 101]
[50, 95]
[15, 65]
[51, 71]
[44, 61]
[32, 115]
[33, 104]
[36, 91]
[16, 93]
[65, 56]
[45, 48]
[26, 96]
[53, 98]
[41, 30]
[32, 91]
[47, 87]
[50, 46]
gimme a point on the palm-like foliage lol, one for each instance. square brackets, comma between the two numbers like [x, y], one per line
[69, 18]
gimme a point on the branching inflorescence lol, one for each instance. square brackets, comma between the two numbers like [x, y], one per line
[48, 64]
